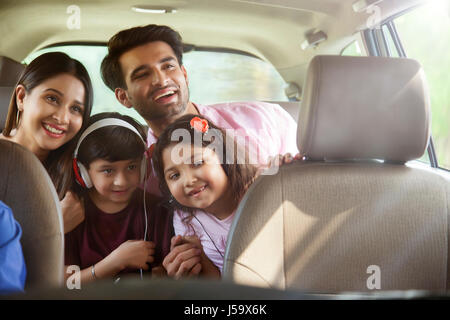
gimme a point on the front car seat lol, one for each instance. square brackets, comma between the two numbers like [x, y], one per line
[351, 216]
[27, 189]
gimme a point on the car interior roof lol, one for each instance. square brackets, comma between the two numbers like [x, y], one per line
[235, 24]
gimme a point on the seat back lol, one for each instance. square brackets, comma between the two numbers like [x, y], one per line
[10, 71]
[352, 216]
[27, 189]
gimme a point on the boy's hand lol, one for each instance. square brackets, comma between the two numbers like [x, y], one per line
[72, 211]
[184, 257]
[133, 254]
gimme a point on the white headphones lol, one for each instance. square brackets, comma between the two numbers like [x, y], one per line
[81, 173]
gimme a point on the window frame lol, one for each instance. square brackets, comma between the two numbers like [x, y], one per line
[186, 47]
[377, 45]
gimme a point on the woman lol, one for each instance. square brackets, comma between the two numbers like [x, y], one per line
[49, 106]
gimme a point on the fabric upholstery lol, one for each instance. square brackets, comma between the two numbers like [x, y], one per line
[319, 226]
[10, 71]
[341, 218]
[5, 97]
[364, 108]
[27, 189]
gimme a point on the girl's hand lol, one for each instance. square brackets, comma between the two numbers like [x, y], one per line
[184, 258]
[133, 254]
[191, 267]
[191, 239]
[72, 211]
[208, 268]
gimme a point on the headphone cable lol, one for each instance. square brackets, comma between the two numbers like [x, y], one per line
[210, 238]
[145, 210]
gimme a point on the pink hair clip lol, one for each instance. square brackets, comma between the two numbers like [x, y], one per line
[200, 125]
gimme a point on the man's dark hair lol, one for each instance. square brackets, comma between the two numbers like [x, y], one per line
[131, 38]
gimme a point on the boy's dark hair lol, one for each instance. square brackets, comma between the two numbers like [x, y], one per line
[112, 143]
[240, 175]
[131, 38]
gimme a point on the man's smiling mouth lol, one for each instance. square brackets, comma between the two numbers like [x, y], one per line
[164, 95]
[168, 93]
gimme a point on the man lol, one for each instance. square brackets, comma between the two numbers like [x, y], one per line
[144, 68]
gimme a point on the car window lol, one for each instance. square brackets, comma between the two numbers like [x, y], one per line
[425, 34]
[213, 77]
[393, 52]
[352, 49]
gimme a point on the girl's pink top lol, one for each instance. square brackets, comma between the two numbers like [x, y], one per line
[212, 232]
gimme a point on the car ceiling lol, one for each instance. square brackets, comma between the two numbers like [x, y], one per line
[270, 29]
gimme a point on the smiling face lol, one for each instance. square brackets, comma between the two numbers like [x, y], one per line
[51, 113]
[157, 85]
[195, 177]
[113, 183]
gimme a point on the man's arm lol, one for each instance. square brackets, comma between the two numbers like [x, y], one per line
[287, 128]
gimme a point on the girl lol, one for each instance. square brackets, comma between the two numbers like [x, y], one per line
[204, 177]
[123, 230]
[51, 102]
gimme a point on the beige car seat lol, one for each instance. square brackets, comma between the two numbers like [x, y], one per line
[27, 189]
[351, 216]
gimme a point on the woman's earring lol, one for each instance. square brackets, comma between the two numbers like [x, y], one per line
[18, 118]
[171, 200]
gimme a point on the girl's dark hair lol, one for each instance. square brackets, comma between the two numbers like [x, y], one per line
[240, 176]
[111, 143]
[46, 66]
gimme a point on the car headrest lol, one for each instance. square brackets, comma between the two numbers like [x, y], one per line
[10, 71]
[364, 108]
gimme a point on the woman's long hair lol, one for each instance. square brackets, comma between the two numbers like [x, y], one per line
[240, 175]
[46, 66]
